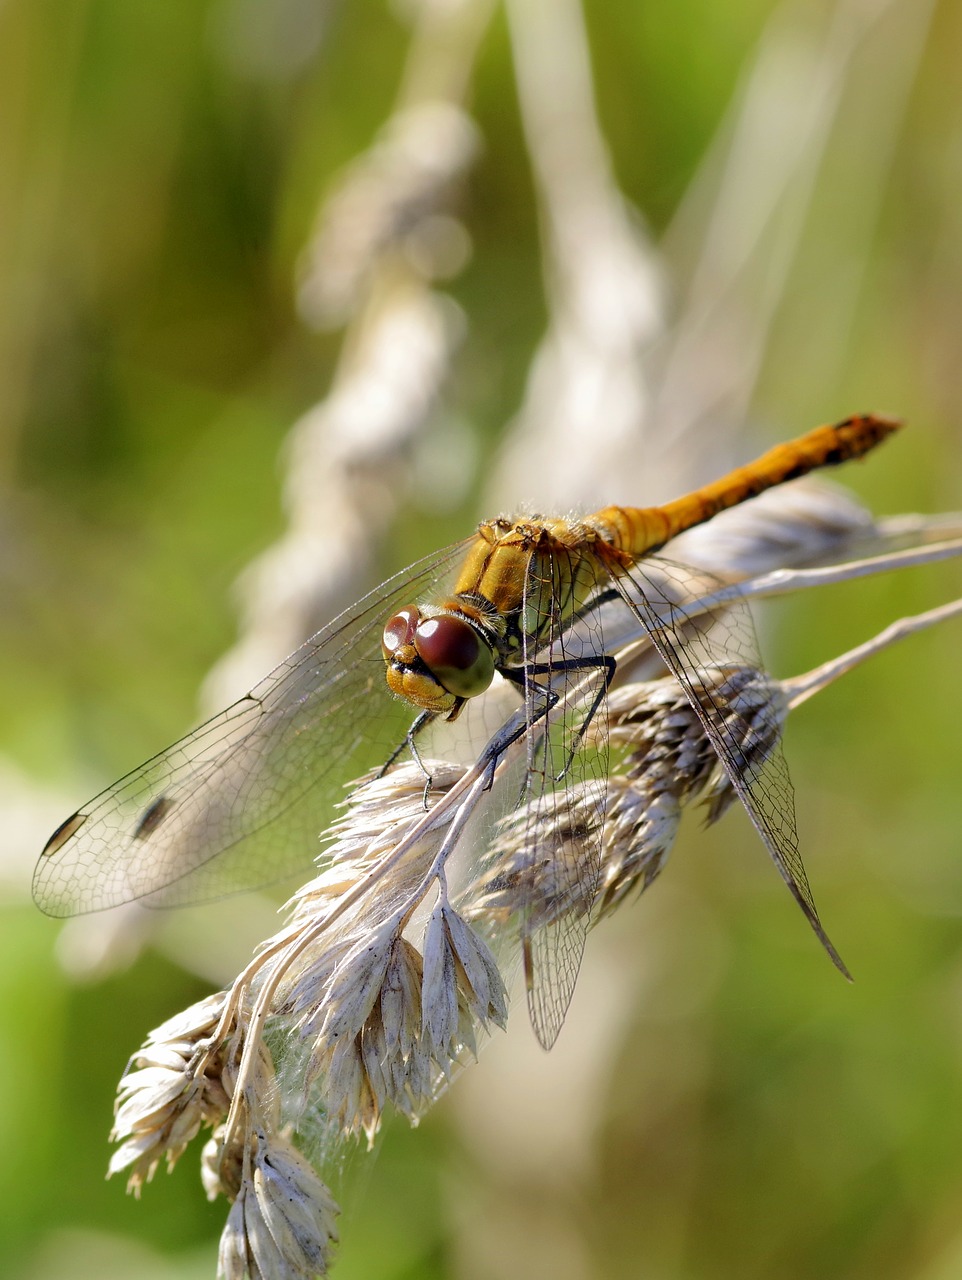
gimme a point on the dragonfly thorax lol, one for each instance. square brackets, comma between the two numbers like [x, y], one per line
[437, 658]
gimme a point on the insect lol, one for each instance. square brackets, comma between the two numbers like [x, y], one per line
[242, 800]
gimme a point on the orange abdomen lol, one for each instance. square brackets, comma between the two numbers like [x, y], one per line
[639, 531]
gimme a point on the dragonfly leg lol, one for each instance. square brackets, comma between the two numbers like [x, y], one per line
[523, 679]
[503, 739]
[409, 743]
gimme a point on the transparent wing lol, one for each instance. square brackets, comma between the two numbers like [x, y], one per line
[565, 785]
[690, 644]
[242, 800]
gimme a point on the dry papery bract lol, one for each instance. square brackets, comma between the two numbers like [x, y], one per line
[174, 1086]
[281, 1222]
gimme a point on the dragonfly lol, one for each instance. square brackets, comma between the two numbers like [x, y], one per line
[243, 800]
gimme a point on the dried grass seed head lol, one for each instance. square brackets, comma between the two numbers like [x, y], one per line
[175, 1088]
[282, 1223]
[402, 1022]
[380, 811]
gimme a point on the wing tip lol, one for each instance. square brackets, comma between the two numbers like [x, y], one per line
[833, 955]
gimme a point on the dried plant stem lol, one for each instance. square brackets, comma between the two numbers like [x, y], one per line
[441, 55]
[800, 688]
[784, 581]
[921, 529]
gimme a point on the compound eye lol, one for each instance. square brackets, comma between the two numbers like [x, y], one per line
[456, 655]
[400, 630]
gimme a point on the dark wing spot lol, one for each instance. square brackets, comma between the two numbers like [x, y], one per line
[63, 833]
[152, 817]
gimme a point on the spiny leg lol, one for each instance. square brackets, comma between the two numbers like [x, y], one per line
[409, 743]
[523, 680]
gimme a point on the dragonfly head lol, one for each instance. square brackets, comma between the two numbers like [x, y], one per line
[437, 660]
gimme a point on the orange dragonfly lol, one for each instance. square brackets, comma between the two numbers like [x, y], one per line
[243, 800]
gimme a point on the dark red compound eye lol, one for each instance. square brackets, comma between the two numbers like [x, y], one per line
[400, 630]
[447, 642]
[456, 655]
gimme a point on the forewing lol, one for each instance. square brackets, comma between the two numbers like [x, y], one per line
[242, 800]
[565, 790]
[690, 643]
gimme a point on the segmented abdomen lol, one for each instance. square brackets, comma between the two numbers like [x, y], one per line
[639, 531]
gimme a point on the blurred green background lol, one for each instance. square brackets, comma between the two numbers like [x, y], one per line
[721, 1104]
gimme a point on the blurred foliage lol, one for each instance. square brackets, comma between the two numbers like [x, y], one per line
[160, 167]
